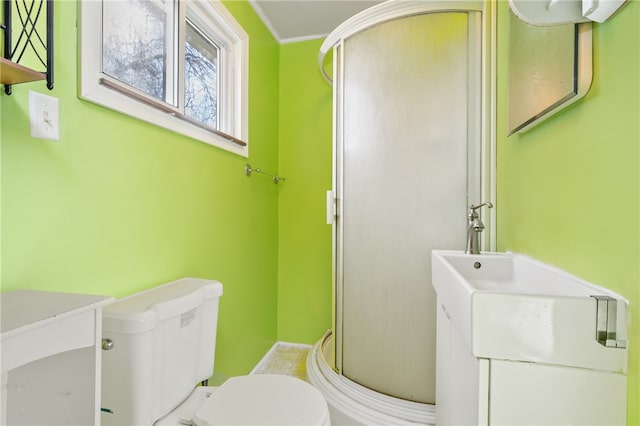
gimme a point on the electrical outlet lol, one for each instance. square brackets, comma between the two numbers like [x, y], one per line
[44, 116]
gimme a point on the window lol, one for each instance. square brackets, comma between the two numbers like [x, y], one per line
[179, 64]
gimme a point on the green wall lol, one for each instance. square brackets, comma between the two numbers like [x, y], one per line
[304, 268]
[119, 205]
[569, 189]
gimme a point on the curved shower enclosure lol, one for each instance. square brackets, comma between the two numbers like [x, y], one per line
[411, 113]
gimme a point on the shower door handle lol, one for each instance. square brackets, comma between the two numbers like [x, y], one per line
[331, 208]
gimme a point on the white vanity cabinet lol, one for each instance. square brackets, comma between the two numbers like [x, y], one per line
[50, 358]
[522, 343]
[481, 391]
[462, 388]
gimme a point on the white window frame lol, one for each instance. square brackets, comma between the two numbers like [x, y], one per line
[214, 20]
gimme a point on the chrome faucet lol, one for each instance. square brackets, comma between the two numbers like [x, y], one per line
[474, 228]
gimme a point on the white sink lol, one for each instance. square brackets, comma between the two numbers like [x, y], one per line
[509, 306]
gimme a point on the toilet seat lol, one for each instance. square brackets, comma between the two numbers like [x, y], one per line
[264, 399]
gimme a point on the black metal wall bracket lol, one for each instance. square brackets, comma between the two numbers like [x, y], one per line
[28, 38]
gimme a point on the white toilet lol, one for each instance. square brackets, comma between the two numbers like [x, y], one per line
[160, 343]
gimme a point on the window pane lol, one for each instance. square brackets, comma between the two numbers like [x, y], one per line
[201, 77]
[134, 47]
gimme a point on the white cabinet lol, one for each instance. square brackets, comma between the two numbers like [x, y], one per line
[481, 391]
[462, 388]
[524, 343]
[51, 360]
[538, 394]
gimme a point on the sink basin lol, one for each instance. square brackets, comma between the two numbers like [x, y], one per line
[509, 306]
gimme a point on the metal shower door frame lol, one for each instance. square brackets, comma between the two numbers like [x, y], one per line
[484, 157]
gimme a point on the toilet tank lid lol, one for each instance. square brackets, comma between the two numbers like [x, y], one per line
[141, 311]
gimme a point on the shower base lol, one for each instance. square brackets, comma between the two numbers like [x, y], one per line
[353, 404]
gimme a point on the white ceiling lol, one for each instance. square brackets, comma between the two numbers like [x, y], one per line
[298, 20]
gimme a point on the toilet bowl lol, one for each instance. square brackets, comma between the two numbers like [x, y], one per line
[161, 344]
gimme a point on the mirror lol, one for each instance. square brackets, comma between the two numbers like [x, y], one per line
[549, 68]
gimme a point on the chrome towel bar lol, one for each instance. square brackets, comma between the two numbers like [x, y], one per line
[248, 170]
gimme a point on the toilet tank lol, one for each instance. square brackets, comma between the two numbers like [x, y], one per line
[163, 346]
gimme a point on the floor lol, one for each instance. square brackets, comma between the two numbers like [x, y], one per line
[285, 358]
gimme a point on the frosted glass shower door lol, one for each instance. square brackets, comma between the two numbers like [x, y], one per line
[406, 148]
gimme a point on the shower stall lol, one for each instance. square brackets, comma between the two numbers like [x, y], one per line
[412, 150]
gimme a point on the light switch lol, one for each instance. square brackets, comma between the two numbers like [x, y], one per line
[44, 116]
